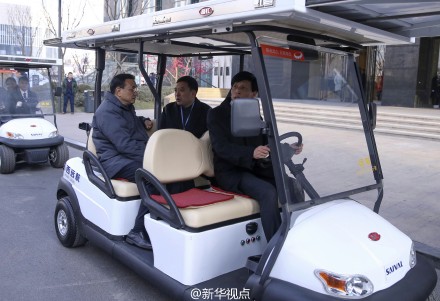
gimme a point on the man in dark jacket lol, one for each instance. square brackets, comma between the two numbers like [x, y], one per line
[120, 139]
[235, 158]
[187, 112]
[70, 87]
[22, 100]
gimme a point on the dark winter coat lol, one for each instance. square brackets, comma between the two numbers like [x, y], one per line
[232, 155]
[119, 135]
[172, 118]
[28, 106]
[68, 91]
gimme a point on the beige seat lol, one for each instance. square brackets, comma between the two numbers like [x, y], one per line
[175, 155]
[123, 189]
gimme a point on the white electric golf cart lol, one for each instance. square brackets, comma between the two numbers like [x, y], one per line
[28, 130]
[209, 243]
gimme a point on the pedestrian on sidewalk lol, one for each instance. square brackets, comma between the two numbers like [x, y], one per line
[70, 87]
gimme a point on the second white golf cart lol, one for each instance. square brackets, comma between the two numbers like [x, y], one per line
[208, 244]
[28, 130]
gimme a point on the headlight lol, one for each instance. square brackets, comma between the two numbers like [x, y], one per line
[12, 135]
[53, 134]
[412, 257]
[346, 286]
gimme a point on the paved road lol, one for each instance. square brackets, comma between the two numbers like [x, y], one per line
[35, 266]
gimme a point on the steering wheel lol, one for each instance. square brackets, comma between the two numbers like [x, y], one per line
[287, 151]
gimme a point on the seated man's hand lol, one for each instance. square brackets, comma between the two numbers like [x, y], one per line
[298, 148]
[148, 124]
[19, 104]
[261, 152]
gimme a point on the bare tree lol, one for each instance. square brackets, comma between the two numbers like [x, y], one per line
[71, 18]
[20, 17]
[119, 9]
[81, 67]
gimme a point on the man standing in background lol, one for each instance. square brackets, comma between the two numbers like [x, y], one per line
[70, 88]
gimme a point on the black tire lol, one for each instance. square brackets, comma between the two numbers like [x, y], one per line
[66, 225]
[59, 155]
[7, 159]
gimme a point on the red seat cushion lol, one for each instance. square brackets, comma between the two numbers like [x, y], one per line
[194, 197]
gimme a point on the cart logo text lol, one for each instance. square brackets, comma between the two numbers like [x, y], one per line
[394, 268]
[206, 11]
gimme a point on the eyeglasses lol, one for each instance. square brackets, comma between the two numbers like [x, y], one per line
[133, 90]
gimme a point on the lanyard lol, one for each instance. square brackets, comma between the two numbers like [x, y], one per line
[187, 118]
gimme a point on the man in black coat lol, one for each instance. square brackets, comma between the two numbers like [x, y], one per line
[22, 100]
[187, 112]
[120, 139]
[236, 159]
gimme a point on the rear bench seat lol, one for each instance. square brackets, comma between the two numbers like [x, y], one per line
[175, 155]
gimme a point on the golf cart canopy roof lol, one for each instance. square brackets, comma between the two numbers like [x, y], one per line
[194, 28]
[402, 17]
[7, 61]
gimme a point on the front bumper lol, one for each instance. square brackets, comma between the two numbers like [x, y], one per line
[417, 285]
[37, 143]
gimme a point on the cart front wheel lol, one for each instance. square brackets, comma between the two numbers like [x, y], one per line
[59, 155]
[7, 159]
[66, 225]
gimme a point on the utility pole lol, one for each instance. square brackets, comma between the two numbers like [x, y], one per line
[60, 68]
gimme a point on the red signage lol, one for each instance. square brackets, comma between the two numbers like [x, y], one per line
[206, 11]
[284, 53]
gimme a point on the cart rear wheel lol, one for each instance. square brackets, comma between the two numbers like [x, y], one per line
[7, 159]
[66, 225]
[59, 155]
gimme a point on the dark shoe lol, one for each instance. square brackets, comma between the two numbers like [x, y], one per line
[138, 239]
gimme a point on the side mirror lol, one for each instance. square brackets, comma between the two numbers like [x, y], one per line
[58, 91]
[245, 118]
[372, 114]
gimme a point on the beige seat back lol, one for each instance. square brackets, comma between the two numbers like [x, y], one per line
[208, 155]
[175, 155]
[90, 145]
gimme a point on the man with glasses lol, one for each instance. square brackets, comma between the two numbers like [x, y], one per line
[120, 138]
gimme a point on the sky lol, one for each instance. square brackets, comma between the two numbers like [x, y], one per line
[93, 12]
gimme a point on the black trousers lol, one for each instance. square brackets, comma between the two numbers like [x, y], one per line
[263, 190]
